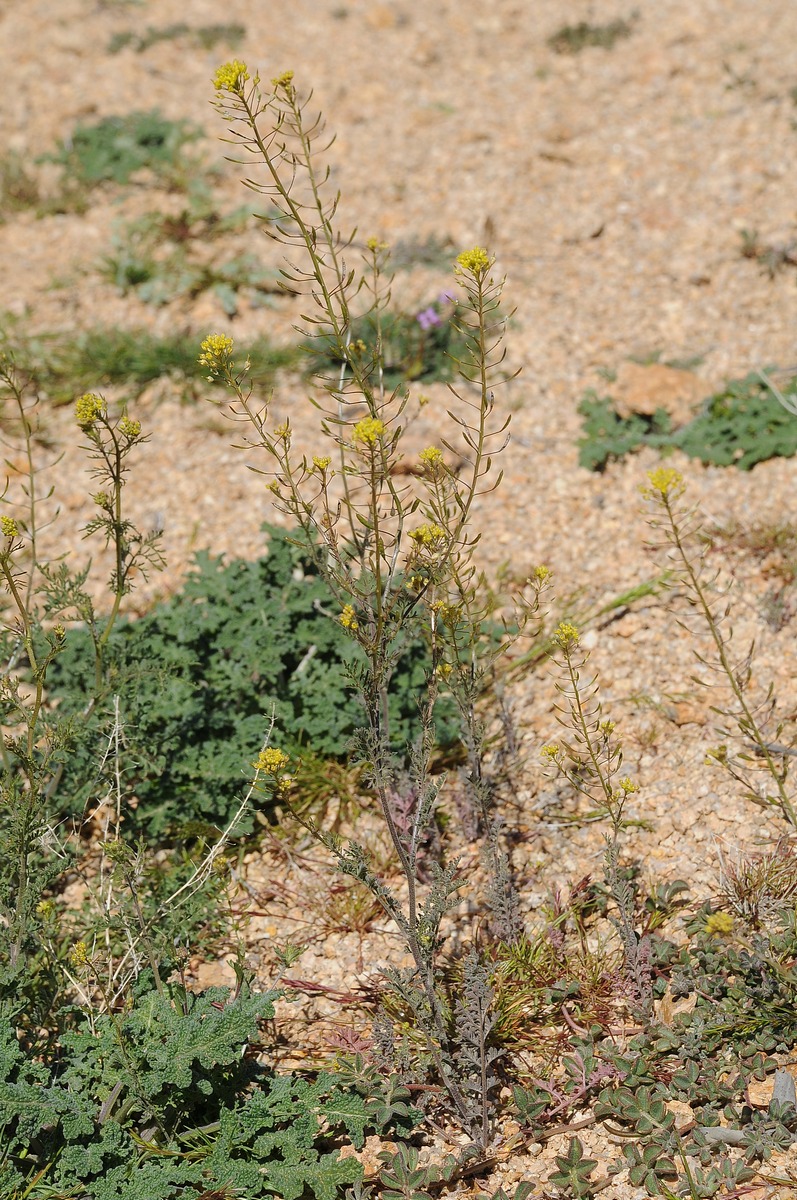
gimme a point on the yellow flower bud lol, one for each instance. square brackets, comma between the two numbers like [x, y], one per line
[284, 81]
[79, 955]
[129, 428]
[347, 618]
[719, 924]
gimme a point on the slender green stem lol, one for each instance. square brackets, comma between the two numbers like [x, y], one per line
[748, 722]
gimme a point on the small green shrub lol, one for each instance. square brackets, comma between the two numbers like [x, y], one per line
[740, 426]
[705, 1056]
[113, 149]
[65, 365]
[200, 676]
[432, 251]
[163, 258]
[608, 436]
[572, 39]
[743, 425]
[20, 191]
[204, 36]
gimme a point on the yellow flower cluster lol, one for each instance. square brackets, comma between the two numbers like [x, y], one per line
[216, 354]
[88, 409]
[284, 81]
[129, 428]
[321, 462]
[431, 457]
[447, 613]
[551, 752]
[79, 955]
[427, 535]
[9, 527]
[101, 499]
[473, 262]
[231, 77]
[719, 924]
[45, 909]
[665, 483]
[283, 432]
[271, 761]
[541, 574]
[369, 430]
[374, 245]
[566, 636]
[347, 618]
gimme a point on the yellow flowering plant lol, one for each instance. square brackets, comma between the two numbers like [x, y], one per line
[590, 758]
[753, 715]
[395, 549]
[41, 598]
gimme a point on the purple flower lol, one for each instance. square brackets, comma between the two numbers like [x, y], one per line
[429, 318]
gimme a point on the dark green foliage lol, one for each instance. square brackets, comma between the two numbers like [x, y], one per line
[401, 1177]
[419, 346]
[206, 37]
[199, 677]
[573, 1170]
[165, 1097]
[607, 436]
[572, 39]
[65, 367]
[113, 149]
[387, 1100]
[743, 425]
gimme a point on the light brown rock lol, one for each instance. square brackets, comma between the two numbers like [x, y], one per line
[643, 389]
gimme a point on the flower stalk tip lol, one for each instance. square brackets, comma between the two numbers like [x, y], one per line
[474, 262]
[89, 408]
[216, 354]
[231, 77]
